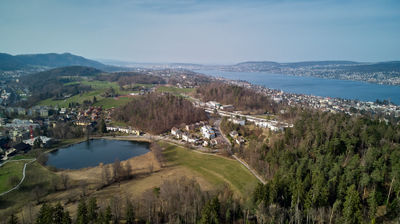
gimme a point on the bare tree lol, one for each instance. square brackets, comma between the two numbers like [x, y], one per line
[83, 187]
[151, 168]
[64, 180]
[116, 208]
[127, 170]
[105, 176]
[117, 168]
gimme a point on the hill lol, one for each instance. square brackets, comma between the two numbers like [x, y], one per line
[49, 84]
[50, 60]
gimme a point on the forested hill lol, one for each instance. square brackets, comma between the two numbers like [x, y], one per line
[50, 60]
[156, 113]
[50, 83]
[329, 168]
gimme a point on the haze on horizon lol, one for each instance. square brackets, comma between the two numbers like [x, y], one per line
[208, 31]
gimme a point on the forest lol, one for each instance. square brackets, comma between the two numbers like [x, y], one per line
[175, 201]
[131, 78]
[158, 113]
[328, 168]
[241, 98]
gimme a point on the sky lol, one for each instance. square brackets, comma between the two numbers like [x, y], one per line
[209, 32]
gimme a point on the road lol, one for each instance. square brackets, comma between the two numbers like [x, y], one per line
[23, 174]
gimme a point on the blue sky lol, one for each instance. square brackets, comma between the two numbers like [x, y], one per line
[204, 31]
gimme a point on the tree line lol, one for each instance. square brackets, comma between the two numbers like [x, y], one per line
[175, 201]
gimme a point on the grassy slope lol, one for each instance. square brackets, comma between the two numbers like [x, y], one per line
[107, 103]
[7, 171]
[36, 176]
[217, 170]
[99, 88]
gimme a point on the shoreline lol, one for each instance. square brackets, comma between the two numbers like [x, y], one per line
[118, 138]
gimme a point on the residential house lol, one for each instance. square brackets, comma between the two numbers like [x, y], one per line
[176, 132]
[207, 132]
[234, 134]
[238, 121]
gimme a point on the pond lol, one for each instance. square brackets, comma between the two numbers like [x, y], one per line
[93, 152]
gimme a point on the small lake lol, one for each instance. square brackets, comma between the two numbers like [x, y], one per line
[93, 152]
[345, 89]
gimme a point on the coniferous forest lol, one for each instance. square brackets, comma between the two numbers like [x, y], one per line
[328, 168]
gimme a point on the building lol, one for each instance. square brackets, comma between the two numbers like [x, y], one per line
[227, 107]
[185, 137]
[128, 130]
[213, 104]
[238, 121]
[207, 132]
[46, 141]
[176, 132]
[239, 140]
[44, 112]
[234, 134]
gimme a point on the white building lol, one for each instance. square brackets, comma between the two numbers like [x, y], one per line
[45, 140]
[238, 121]
[176, 132]
[207, 132]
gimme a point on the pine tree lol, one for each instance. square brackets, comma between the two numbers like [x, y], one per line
[45, 215]
[58, 213]
[130, 215]
[92, 210]
[352, 206]
[108, 215]
[13, 219]
[82, 216]
[210, 212]
[66, 219]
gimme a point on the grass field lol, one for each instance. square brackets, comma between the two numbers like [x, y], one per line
[107, 103]
[174, 90]
[99, 87]
[216, 170]
[36, 177]
[7, 171]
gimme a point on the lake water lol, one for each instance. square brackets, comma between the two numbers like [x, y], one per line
[344, 89]
[93, 152]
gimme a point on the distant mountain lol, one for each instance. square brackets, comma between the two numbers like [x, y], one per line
[9, 62]
[51, 60]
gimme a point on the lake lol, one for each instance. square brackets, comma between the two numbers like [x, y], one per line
[93, 152]
[345, 89]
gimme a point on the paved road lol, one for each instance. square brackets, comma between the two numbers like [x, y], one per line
[23, 174]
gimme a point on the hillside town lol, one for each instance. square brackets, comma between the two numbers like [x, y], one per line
[328, 104]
